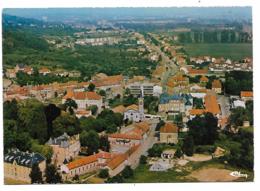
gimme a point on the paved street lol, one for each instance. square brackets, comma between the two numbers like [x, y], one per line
[224, 104]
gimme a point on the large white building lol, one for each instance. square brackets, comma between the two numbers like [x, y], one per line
[144, 89]
[135, 112]
[84, 99]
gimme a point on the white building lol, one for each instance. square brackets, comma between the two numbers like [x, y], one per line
[84, 99]
[135, 113]
[144, 89]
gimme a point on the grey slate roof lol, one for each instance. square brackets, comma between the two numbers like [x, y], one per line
[23, 158]
[62, 140]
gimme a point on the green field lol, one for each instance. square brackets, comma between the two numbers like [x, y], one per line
[228, 50]
[143, 175]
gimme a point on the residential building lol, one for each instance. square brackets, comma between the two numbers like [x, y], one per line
[246, 95]
[64, 147]
[18, 164]
[169, 133]
[174, 104]
[83, 113]
[211, 104]
[217, 86]
[44, 71]
[177, 84]
[84, 99]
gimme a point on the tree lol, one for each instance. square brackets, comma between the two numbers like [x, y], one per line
[51, 174]
[10, 109]
[32, 119]
[159, 125]
[70, 104]
[155, 151]
[51, 112]
[93, 109]
[178, 153]
[112, 128]
[188, 146]
[103, 173]
[44, 150]
[91, 87]
[115, 179]
[36, 174]
[90, 140]
[238, 116]
[143, 159]
[127, 172]
[203, 129]
[104, 143]
[66, 123]
[102, 93]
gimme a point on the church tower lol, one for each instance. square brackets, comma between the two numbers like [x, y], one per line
[141, 108]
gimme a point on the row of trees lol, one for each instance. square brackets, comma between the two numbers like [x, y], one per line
[51, 175]
[214, 37]
[237, 81]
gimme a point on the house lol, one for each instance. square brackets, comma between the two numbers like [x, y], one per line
[113, 85]
[18, 164]
[83, 113]
[174, 104]
[135, 112]
[217, 86]
[79, 167]
[246, 95]
[64, 147]
[177, 84]
[84, 99]
[194, 112]
[211, 104]
[204, 80]
[119, 161]
[10, 73]
[44, 71]
[117, 164]
[195, 72]
[169, 133]
[125, 139]
[119, 109]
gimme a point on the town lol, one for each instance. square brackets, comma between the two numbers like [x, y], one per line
[168, 116]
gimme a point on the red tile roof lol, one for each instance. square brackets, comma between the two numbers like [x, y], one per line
[116, 161]
[197, 111]
[211, 104]
[169, 128]
[246, 94]
[125, 136]
[197, 71]
[93, 96]
[119, 109]
[81, 162]
[216, 84]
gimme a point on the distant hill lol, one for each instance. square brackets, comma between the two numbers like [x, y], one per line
[15, 21]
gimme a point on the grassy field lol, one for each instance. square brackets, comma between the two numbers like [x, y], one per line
[143, 175]
[233, 51]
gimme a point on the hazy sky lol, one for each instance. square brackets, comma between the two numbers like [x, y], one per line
[61, 14]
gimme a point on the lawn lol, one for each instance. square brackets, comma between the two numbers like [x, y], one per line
[143, 175]
[228, 50]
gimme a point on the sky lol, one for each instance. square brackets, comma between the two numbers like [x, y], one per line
[61, 14]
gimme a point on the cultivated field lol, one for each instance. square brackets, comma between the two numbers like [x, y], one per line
[228, 50]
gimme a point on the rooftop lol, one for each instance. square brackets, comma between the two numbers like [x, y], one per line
[169, 128]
